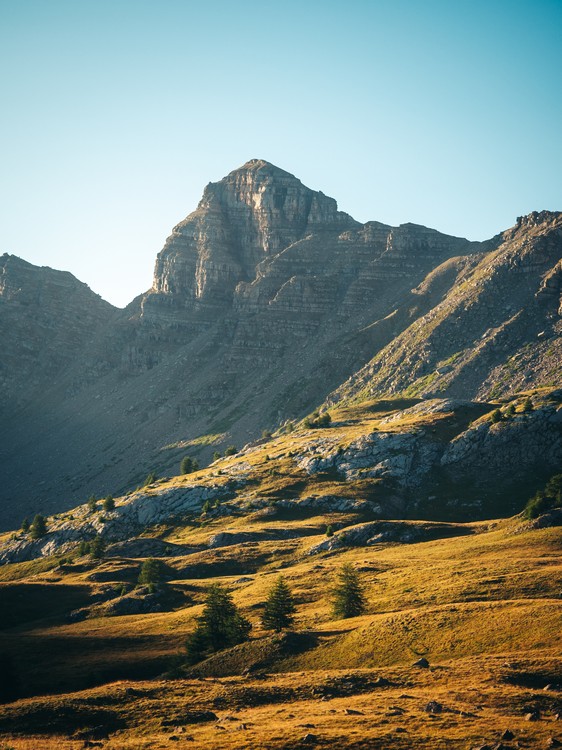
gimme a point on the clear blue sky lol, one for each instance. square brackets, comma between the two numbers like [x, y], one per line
[115, 115]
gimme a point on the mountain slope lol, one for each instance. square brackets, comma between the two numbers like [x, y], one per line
[496, 331]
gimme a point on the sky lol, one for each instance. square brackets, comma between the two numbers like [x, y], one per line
[116, 114]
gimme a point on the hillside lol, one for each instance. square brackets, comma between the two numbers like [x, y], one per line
[408, 490]
[100, 660]
[265, 301]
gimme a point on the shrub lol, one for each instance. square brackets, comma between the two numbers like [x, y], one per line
[189, 465]
[216, 456]
[206, 506]
[348, 598]
[528, 404]
[329, 530]
[232, 450]
[151, 572]
[279, 607]
[266, 434]
[496, 416]
[151, 478]
[109, 503]
[510, 411]
[219, 626]
[39, 527]
[317, 420]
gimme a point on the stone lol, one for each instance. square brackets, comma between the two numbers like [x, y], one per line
[422, 663]
[433, 707]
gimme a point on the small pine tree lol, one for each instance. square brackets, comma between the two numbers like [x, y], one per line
[329, 530]
[528, 404]
[216, 456]
[231, 450]
[348, 596]
[151, 478]
[496, 416]
[39, 527]
[84, 548]
[97, 548]
[189, 465]
[206, 506]
[92, 504]
[151, 572]
[510, 411]
[219, 626]
[279, 608]
[109, 503]
[25, 524]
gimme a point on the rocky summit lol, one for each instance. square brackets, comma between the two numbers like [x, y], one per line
[266, 302]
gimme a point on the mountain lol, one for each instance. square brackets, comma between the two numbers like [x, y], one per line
[497, 331]
[266, 301]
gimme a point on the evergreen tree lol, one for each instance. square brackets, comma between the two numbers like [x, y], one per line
[84, 548]
[232, 450]
[189, 465]
[151, 572]
[496, 416]
[279, 607]
[219, 626]
[329, 530]
[109, 503]
[151, 478]
[96, 548]
[528, 404]
[92, 504]
[25, 525]
[216, 456]
[348, 596]
[39, 527]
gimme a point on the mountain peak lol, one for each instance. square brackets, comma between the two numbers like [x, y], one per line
[263, 166]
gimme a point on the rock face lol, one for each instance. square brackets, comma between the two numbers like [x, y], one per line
[264, 301]
[493, 334]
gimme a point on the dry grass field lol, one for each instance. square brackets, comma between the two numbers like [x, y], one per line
[483, 608]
